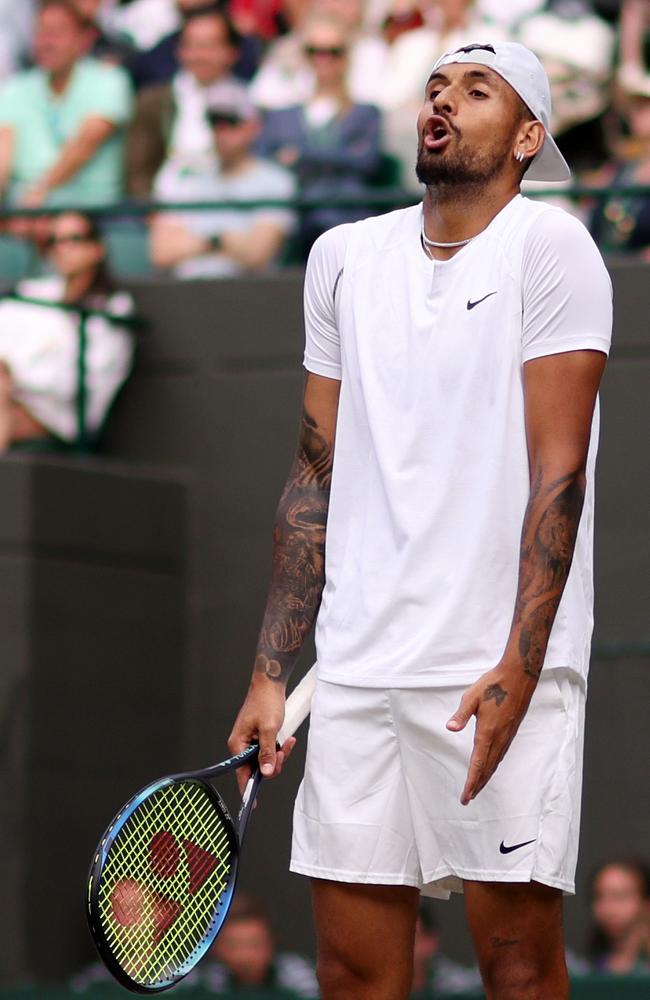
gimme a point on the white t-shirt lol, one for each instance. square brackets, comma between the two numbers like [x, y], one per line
[430, 479]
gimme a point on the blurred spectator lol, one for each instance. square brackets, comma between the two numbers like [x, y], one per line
[143, 22]
[433, 974]
[244, 957]
[105, 46]
[159, 63]
[16, 27]
[61, 122]
[577, 50]
[507, 15]
[332, 144]
[634, 61]
[622, 222]
[169, 125]
[39, 340]
[285, 77]
[226, 241]
[620, 907]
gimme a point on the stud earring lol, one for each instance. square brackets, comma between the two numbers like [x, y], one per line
[519, 156]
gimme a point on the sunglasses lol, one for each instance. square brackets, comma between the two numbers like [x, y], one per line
[222, 118]
[53, 241]
[333, 51]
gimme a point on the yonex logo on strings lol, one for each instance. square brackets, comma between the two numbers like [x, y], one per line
[133, 902]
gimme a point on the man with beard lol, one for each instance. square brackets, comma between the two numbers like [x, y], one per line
[454, 350]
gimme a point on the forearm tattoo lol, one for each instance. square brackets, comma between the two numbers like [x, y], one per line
[298, 574]
[547, 542]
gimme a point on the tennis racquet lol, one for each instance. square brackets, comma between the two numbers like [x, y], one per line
[164, 873]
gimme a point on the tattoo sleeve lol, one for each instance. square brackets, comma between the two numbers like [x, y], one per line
[547, 543]
[298, 573]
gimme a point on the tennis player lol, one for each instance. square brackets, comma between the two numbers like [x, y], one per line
[454, 350]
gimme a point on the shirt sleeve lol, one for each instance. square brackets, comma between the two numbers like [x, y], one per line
[111, 96]
[322, 279]
[10, 102]
[567, 292]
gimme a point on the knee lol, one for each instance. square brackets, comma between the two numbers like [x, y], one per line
[340, 976]
[522, 978]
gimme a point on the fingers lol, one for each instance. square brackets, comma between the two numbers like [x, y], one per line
[268, 753]
[464, 712]
[486, 757]
[281, 755]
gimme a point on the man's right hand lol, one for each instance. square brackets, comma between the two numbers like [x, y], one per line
[259, 719]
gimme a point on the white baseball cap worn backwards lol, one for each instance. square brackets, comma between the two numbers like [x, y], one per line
[523, 71]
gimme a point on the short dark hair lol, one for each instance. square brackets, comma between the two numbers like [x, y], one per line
[213, 8]
[70, 8]
[247, 907]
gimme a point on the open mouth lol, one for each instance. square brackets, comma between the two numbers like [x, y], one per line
[437, 133]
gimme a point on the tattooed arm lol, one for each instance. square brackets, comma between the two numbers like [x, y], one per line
[560, 392]
[297, 579]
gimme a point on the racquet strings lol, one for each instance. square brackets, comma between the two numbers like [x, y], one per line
[162, 882]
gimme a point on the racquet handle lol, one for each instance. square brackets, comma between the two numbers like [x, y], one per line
[297, 706]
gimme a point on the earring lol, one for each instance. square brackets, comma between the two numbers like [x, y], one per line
[519, 156]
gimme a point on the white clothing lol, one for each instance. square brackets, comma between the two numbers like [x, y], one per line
[430, 477]
[379, 802]
[263, 179]
[40, 345]
[144, 22]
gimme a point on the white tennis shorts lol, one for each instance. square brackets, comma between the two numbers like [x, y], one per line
[380, 799]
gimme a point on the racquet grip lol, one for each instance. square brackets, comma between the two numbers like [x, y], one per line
[298, 705]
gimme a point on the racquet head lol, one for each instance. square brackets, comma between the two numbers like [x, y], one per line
[161, 882]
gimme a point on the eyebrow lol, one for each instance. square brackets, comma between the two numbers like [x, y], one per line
[488, 76]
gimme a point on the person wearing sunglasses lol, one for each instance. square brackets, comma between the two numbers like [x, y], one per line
[332, 144]
[226, 241]
[40, 324]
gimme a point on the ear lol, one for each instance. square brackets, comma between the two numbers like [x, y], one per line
[529, 139]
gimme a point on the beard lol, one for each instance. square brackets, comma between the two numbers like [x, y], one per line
[459, 168]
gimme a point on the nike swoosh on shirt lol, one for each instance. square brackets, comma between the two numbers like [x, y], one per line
[515, 847]
[470, 304]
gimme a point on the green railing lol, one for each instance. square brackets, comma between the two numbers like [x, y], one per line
[373, 197]
[585, 988]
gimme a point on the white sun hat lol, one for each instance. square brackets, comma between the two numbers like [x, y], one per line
[523, 71]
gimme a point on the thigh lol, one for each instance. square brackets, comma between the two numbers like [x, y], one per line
[514, 923]
[366, 933]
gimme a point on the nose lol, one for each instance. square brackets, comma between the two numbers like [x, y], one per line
[444, 101]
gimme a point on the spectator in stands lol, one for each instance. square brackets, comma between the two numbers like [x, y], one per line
[105, 46]
[576, 48]
[244, 958]
[159, 63]
[285, 77]
[40, 337]
[634, 61]
[622, 222]
[332, 144]
[170, 126]
[433, 974]
[16, 27]
[227, 241]
[61, 123]
[620, 907]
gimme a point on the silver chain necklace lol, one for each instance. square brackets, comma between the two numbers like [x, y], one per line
[426, 242]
